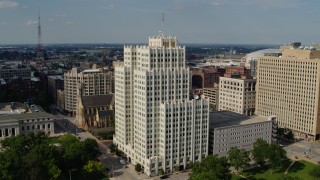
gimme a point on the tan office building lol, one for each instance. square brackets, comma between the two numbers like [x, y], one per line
[288, 87]
[95, 82]
[237, 95]
[212, 94]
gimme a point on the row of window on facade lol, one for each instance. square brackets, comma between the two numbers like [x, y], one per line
[32, 127]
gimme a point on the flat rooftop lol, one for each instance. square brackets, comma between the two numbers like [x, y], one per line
[22, 116]
[227, 118]
[91, 70]
[56, 77]
[11, 108]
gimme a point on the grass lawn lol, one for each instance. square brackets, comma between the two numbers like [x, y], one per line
[236, 177]
[301, 169]
[53, 140]
[298, 169]
[263, 173]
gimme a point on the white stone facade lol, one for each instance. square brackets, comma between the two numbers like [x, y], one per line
[237, 95]
[156, 123]
[12, 125]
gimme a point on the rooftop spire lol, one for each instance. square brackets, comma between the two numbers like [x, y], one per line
[162, 22]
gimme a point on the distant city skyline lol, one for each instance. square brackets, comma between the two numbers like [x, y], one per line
[192, 21]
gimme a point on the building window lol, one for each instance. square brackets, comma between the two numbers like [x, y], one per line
[6, 132]
[13, 131]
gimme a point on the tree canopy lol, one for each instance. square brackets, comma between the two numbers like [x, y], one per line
[276, 155]
[212, 167]
[35, 156]
[238, 158]
[273, 153]
[260, 151]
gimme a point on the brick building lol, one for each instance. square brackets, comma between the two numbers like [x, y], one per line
[206, 77]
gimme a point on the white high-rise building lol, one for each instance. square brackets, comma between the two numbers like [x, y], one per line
[157, 125]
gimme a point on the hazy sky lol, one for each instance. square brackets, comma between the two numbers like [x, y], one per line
[132, 21]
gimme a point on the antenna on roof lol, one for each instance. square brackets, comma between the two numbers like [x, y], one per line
[162, 22]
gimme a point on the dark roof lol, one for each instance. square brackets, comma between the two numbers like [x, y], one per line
[105, 113]
[98, 100]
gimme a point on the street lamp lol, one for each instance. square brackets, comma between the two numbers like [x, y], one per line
[70, 172]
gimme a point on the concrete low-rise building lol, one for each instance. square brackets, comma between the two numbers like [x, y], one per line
[17, 118]
[229, 129]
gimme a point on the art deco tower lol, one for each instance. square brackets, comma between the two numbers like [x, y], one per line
[157, 125]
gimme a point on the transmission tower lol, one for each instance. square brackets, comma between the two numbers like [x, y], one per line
[39, 50]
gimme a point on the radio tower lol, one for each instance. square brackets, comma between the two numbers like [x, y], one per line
[39, 49]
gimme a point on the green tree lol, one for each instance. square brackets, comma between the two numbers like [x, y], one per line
[176, 168]
[161, 172]
[113, 148]
[138, 167]
[40, 162]
[260, 151]
[28, 157]
[238, 158]
[54, 171]
[94, 167]
[276, 156]
[113, 122]
[289, 135]
[33, 156]
[212, 167]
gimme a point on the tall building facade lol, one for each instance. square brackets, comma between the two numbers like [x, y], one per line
[237, 95]
[157, 125]
[93, 81]
[54, 84]
[288, 86]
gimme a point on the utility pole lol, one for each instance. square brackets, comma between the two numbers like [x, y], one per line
[70, 173]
